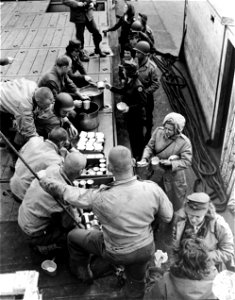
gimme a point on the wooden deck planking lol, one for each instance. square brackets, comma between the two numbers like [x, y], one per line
[20, 21]
[37, 21]
[46, 42]
[37, 41]
[4, 36]
[38, 63]
[45, 20]
[28, 62]
[50, 60]
[94, 66]
[26, 43]
[29, 20]
[32, 6]
[7, 8]
[20, 38]
[6, 14]
[105, 66]
[13, 21]
[8, 43]
[68, 34]
[15, 67]
[57, 38]
[54, 20]
[41, 38]
[62, 19]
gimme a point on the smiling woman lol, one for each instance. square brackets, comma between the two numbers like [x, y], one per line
[174, 151]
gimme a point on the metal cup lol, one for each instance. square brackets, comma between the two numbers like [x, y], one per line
[86, 104]
[100, 85]
[78, 103]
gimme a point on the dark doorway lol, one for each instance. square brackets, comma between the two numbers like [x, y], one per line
[225, 95]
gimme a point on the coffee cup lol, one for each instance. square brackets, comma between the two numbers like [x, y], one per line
[100, 85]
[49, 267]
[86, 104]
[78, 103]
[121, 106]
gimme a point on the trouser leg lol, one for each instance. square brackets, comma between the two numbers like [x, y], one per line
[135, 271]
[135, 129]
[80, 28]
[175, 187]
[149, 117]
[97, 37]
[135, 284]
[82, 242]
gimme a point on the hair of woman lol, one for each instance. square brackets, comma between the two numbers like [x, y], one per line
[130, 12]
[192, 260]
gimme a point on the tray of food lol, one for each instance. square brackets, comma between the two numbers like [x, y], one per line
[95, 168]
[91, 142]
[93, 182]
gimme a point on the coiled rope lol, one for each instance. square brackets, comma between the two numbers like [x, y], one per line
[205, 167]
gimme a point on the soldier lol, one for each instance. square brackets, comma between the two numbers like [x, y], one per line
[81, 13]
[126, 210]
[39, 155]
[40, 217]
[148, 75]
[57, 79]
[135, 98]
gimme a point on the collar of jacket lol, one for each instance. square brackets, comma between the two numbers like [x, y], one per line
[182, 218]
[119, 182]
[145, 64]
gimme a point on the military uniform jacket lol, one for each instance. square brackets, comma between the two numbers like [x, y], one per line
[149, 77]
[39, 154]
[134, 96]
[78, 14]
[57, 83]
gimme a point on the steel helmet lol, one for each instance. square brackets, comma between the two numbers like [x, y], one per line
[142, 47]
[64, 101]
[136, 26]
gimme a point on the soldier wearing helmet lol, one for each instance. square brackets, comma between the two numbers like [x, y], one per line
[174, 152]
[145, 27]
[124, 23]
[57, 116]
[137, 34]
[135, 98]
[148, 75]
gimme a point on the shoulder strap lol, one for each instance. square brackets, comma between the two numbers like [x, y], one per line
[164, 148]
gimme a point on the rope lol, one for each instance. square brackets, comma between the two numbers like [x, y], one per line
[205, 168]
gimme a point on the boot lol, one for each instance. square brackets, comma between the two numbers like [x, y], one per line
[82, 272]
[100, 53]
